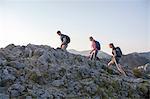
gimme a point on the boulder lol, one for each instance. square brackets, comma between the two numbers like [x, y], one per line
[16, 90]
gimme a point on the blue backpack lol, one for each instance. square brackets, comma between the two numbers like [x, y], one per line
[118, 51]
[68, 39]
[98, 46]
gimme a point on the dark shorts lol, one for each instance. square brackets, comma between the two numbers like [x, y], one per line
[118, 59]
[94, 55]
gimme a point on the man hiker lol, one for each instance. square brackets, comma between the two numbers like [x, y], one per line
[95, 48]
[64, 39]
[117, 53]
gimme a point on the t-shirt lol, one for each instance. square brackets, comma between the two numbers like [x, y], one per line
[94, 45]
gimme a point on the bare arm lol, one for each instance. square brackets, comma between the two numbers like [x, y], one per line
[92, 51]
[115, 54]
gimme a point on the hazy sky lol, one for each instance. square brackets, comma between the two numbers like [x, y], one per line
[124, 22]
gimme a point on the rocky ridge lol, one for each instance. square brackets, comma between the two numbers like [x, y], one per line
[41, 72]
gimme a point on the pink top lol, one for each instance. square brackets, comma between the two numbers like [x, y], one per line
[94, 45]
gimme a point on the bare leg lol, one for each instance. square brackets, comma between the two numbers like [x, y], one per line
[121, 70]
[92, 56]
[111, 62]
[64, 47]
[119, 67]
[95, 54]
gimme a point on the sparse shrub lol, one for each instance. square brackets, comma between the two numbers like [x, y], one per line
[78, 58]
[144, 89]
[45, 75]
[137, 72]
[92, 63]
[115, 85]
[34, 77]
[102, 93]
[110, 71]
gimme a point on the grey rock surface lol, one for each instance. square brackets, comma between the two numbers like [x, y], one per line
[41, 72]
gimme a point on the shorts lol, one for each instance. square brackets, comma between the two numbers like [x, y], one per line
[64, 47]
[117, 60]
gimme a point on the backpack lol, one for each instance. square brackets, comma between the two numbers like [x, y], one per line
[118, 51]
[98, 46]
[68, 39]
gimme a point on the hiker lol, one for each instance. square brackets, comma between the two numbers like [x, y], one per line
[95, 48]
[117, 54]
[64, 39]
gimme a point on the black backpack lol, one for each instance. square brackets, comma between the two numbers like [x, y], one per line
[68, 39]
[98, 46]
[118, 51]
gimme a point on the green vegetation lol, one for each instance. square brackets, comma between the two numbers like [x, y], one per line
[137, 72]
[34, 77]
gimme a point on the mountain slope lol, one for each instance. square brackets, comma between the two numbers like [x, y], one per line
[101, 54]
[41, 72]
[146, 55]
[135, 59]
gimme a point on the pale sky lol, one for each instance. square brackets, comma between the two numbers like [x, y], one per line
[126, 23]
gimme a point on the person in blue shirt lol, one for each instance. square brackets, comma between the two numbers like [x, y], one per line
[65, 40]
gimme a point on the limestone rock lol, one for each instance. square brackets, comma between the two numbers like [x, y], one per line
[42, 72]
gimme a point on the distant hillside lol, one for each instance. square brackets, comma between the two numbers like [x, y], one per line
[146, 55]
[101, 54]
[132, 60]
[136, 59]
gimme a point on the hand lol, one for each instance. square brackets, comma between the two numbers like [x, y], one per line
[61, 45]
[91, 52]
